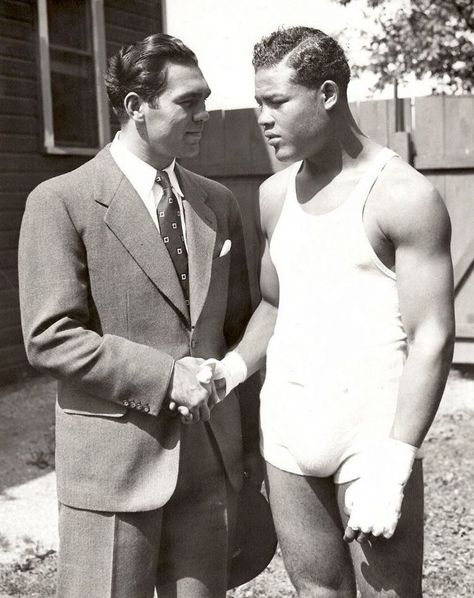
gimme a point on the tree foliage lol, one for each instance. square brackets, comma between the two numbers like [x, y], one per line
[424, 38]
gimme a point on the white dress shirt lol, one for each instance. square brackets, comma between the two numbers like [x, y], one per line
[142, 178]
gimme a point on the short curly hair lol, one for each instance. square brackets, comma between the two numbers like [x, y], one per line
[313, 55]
[142, 67]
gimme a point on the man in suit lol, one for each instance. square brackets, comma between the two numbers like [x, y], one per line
[132, 269]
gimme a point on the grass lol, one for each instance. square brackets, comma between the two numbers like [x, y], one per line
[449, 515]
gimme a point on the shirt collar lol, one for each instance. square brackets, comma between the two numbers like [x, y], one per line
[140, 174]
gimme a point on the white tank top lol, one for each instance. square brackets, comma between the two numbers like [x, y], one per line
[337, 352]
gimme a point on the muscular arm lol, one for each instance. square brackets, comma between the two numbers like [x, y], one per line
[421, 236]
[253, 346]
[248, 355]
[416, 222]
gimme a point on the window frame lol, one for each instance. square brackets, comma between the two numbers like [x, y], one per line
[100, 65]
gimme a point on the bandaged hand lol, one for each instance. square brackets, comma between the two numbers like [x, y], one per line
[374, 501]
[228, 373]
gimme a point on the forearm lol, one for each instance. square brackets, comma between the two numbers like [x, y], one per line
[62, 337]
[421, 387]
[253, 345]
[106, 366]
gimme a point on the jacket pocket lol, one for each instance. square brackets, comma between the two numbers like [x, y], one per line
[76, 402]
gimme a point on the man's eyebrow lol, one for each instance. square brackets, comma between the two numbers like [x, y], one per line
[194, 95]
[270, 96]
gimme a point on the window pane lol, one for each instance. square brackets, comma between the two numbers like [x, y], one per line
[74, 100]
[69, 23]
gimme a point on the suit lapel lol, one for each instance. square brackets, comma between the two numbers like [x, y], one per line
[128, 218]
[201, 238]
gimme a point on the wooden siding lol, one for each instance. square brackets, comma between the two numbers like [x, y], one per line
[439, 141]
[23, 165]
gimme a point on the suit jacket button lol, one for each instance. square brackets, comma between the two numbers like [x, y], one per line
[146, 409]
[126, 403]
[132, 404]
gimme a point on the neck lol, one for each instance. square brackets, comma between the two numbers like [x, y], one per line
[346, 144]
[138, 144]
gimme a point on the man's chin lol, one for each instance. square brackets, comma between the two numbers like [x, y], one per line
[191, 151]
[284, 155]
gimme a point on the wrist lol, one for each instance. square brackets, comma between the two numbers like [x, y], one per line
[389, 459]
[235, 370]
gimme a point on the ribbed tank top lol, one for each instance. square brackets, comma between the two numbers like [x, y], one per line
[338, 348]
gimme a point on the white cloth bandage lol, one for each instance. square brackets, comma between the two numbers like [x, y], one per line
[232, 368]
[374, 500]
[205, 373]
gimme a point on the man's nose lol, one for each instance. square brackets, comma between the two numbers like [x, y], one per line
[265, 118]
[201, 115]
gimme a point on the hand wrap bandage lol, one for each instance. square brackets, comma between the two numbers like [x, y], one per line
[232, 369]
[374, 500]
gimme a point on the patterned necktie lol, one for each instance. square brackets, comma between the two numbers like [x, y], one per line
[169, 218]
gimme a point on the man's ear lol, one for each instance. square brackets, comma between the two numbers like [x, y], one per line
[134, 105]
[329, 94]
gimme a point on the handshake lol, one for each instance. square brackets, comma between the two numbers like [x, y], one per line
[197, 385]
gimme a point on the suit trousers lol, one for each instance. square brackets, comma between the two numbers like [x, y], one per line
[182, 549]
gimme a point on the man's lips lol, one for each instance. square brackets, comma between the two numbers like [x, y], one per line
[272, 139]
[194, 135]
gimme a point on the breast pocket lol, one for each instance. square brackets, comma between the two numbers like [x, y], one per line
[220, 265]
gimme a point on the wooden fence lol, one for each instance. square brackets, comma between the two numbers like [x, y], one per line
[437, 139]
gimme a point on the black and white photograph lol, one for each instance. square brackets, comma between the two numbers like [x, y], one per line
[236, 299]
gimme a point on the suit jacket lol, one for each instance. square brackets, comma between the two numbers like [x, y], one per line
[104, 313]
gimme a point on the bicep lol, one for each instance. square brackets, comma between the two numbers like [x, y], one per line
[424, 270]
[269, 286]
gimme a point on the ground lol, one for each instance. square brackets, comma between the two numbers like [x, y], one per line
[28, 563]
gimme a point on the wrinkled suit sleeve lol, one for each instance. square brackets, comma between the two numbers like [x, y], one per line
[54, 301]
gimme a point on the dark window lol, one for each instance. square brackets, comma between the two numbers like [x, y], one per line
[72, 59]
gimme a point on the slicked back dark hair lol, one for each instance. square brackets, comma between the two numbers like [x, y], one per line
[142, 67]
[313, 55]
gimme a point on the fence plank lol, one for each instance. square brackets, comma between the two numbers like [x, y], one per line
[12, 355]
[212, 152]
[428, 136]
[8, 279]
[10, 317]
[459, 199]
[459, 127]
[10, 336]
[8, 297]
[8, 260]
[10, 220]
[8, 239]
[373, 117]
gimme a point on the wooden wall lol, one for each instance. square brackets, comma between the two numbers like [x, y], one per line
[22, 163]
[437, 138]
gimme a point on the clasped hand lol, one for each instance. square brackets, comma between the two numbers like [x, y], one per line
[193, 392]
